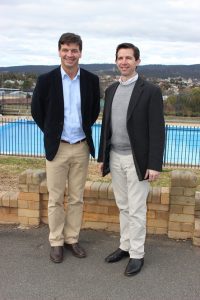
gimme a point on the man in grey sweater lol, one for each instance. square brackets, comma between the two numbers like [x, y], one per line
[131, 148]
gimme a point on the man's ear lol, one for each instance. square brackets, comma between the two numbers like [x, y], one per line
[138, 61]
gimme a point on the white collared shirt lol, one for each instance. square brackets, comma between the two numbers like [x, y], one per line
[129, 81]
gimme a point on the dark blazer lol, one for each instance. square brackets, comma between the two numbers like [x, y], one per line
[47, 107]
[145, 126]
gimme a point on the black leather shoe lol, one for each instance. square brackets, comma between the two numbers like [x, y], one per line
[134, 266]
[76, 250]
[56, 254]
[116, 256]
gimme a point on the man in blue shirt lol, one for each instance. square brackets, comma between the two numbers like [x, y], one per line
[65, 105]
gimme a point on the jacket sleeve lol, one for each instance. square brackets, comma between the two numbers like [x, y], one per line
[103, 134]
[37, 105]
[156, 131]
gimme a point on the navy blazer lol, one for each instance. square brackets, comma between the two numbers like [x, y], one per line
[145, 126]
[47, 107]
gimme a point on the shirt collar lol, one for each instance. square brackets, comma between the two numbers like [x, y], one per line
[64, 74]
[129, 81]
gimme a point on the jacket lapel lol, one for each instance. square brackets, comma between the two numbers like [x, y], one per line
[135, 96]
[59, 87]
[111, 96]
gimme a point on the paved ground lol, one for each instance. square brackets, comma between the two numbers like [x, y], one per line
[171, 270]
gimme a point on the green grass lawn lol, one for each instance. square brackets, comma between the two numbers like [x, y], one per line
[11, 167]
[16, 165]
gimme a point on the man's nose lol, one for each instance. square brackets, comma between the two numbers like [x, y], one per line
[124, 61]
[69, 53]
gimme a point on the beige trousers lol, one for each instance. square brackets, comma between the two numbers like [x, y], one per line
[130, 195]
[69, 167]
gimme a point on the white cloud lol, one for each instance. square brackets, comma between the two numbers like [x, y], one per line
[166, 31]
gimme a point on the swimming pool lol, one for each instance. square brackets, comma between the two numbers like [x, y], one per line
[182, 145]
[23, 137]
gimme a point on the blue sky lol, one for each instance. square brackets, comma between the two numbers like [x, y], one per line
[166, 31]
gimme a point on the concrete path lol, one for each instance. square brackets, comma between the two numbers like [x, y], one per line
[171, 270]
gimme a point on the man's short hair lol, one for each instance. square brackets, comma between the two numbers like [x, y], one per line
[68, 38]
[136, 51]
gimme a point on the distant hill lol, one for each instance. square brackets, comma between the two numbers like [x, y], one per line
[153, 71]
[165, 71]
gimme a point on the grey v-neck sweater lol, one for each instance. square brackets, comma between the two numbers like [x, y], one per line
[120, 142]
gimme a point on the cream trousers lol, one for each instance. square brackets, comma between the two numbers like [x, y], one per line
[68, 168]
[131, 195]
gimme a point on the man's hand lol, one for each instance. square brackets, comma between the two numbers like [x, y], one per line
[101, 168]
[152, 175]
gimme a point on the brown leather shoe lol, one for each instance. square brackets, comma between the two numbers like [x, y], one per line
[76, 250]
[56, 254]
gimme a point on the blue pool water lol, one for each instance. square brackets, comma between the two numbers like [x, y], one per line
[182, 145]
[23, 137]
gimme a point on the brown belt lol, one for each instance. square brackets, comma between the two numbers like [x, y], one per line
[78, 142]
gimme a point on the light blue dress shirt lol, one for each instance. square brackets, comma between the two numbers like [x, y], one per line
[72, 129]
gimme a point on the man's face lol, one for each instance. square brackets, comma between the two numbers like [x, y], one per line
[126, 62]
[69, 54]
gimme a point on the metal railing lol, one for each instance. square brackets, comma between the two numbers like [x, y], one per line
[182, 146]
[22, 137]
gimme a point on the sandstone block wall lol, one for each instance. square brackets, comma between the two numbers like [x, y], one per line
[196, 234]
[182, 204]
[173, 211]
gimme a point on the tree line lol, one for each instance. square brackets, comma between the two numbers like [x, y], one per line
[186, 103]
